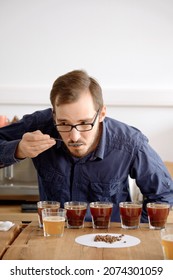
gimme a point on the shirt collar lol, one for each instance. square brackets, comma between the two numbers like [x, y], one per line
[99, 153]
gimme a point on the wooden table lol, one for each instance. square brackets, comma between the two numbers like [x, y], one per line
[7, 238]
[14, 213]
[26, 242]
[30, 244]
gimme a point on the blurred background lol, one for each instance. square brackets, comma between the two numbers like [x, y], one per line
[125, 44]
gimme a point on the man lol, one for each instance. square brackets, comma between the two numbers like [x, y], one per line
[80, 154]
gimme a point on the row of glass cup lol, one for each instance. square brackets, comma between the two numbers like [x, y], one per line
[52, 217]
[50, 213]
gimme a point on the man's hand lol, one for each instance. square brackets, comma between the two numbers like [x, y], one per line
[33, 143]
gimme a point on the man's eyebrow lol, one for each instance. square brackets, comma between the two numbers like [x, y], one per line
[61, 119]
[84, 119]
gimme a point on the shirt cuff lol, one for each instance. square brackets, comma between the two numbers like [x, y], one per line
[7, 156]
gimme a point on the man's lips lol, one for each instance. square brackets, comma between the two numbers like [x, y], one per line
[70, 144]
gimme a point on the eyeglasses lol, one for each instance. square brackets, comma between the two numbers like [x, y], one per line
[78, 127]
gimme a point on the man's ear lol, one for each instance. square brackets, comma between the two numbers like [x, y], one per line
[102, 114]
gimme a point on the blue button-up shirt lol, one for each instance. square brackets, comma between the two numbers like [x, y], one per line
[102, 175]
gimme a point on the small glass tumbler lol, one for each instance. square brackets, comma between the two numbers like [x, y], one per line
[76, 211]
[130, 214]
[53, 222]
[157, 214]
[101, 214]
[45, 204]
[167, 242]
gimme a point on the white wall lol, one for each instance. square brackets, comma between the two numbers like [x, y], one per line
[125, 44]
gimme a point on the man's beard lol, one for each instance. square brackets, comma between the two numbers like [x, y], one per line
[73, 148]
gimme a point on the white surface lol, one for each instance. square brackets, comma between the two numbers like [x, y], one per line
[126, 241]
[5, 226]
[123, 43]
[126, 45]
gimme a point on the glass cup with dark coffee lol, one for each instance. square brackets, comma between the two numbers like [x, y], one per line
[101, 214]
[157, 214]
[130, 214]
[75, 213]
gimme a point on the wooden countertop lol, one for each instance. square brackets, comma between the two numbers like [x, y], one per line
[7, 237]
[14, 213]
[32, 245]
[25, 241]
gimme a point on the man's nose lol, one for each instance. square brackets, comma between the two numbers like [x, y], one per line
[74, 134]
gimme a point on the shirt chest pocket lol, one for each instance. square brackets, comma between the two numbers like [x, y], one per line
[105, 191]
[52, 183]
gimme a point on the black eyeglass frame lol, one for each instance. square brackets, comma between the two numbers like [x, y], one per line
[71, 126]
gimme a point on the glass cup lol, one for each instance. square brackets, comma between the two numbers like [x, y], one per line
[45, 204]
[75, 214]
[53, 221]
[101, 214]
[130, 214]
[157, 214]
[167, 242]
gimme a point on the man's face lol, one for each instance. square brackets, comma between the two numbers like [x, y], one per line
[82, 111]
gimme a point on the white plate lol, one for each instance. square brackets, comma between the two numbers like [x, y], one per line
[126, 241]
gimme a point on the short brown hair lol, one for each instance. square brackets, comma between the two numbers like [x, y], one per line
[68, 88]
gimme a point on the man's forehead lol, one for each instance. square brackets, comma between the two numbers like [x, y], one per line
[75, 117]
[76, 111]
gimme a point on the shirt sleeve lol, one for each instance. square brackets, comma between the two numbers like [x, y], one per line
[11, 135]
[151, 175]
[7, 153]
